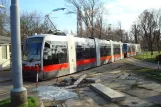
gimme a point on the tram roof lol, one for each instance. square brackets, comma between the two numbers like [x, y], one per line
[44, 35]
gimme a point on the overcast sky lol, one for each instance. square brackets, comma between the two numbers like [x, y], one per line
[125, 11]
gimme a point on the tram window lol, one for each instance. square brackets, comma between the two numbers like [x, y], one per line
[86, 53]
[79, 53]
[92, 53]
[133, 48]
[47, 45]
[62, 55]
[105, 51]
[129, 49]
[59, 55]
[116, 50]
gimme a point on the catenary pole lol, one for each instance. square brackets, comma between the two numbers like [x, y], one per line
[18, 93]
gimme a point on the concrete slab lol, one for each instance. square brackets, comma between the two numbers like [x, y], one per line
[134, 102]
[70, 86]
[80, 79]
[115, 72]
[114, 85]
[108, 93]
[97, 98]
[121, 85]
[108, 76]
[85, 102]
[142, 93]
[151, 86]
[124, 76]
[158, 89]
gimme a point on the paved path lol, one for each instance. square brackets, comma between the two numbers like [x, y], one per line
[5, 76]
[141, 63]
[139, 92]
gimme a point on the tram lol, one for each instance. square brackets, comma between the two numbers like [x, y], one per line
[57, 55]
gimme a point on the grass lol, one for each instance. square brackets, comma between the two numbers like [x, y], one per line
[150, 73]
[32, 102]
[146, 56]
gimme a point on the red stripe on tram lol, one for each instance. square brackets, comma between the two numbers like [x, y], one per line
[86, 61]
[55, 67]
[117, 55]
[30, 68]
[106, 58]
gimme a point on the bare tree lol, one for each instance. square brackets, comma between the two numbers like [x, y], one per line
[157, 19]
[135, 30]
[32, 23]
[120, 32]
[88, 10]
[4, 18]
[149, 25]
[99, 24]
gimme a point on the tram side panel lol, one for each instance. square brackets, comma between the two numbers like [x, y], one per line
[85, 54]
[57, 64]
[128, 50]
[116, 51]
[133, 50]
[105, 52]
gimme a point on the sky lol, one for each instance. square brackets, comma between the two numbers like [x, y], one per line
[125, 11]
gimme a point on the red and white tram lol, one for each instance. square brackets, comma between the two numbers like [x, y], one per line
[56, 55]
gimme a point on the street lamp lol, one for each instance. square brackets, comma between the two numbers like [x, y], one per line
[47, 16]
[18, 93]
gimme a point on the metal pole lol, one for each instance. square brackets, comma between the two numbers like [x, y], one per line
[18, 93]
[37, 77]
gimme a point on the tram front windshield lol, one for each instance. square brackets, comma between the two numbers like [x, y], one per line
[32, 49]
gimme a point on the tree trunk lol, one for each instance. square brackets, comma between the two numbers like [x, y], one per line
[136, 40]
[151, 48]
[158, 47]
